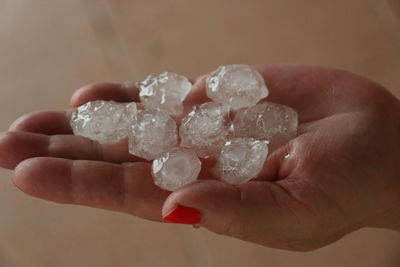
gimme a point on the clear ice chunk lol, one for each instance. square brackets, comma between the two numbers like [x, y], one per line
[238, 86]
[152, 134]
[241, 160]
[165, 92]
[206, 128]
[103, 121]
[267, 121]
[176, 168]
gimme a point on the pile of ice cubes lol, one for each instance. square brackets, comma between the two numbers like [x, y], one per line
[175, 145]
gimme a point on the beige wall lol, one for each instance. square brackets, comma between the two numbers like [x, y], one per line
[48, 48]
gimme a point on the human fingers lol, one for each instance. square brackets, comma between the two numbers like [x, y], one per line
[19, 146]
[44, 122]
[126, 188]
[119, 92]
[197, 94]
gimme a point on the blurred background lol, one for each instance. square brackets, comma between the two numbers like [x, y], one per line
[48, 48]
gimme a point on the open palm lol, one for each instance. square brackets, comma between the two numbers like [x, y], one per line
[338, 175]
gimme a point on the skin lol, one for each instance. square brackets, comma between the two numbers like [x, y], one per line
[340, 174]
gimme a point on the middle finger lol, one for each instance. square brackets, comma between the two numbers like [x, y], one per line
[18, 146]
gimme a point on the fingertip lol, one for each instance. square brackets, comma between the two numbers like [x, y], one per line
[22, 175]
[6, 141]
[180, 197]
[201, 195]
[92, 92]
[41, 177]
[197, 94]
[14, 148]
[183, 215]
[76, 98]
[43, 122]
[18, 123]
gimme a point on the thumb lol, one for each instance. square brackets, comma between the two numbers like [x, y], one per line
[251, 211]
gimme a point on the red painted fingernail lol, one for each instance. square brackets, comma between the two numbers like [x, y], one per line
[183, 215]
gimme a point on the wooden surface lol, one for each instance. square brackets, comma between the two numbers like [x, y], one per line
[49, 48]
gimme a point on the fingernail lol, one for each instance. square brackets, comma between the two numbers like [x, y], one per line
[183, 215]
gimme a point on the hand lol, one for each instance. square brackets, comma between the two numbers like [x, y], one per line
[340, 174]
